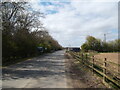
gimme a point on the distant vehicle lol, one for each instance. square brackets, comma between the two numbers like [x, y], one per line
[74, 49]
[40, 49]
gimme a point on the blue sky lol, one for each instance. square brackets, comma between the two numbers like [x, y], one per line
[70, 22]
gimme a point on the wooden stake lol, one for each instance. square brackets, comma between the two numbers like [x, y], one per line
[93, 64]
[104, 69]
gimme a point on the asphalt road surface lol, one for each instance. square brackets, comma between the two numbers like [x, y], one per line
[46, 71]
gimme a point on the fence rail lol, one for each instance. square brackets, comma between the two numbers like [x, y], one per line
[100, 66]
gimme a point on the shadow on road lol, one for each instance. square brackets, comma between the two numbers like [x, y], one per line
[43, 66]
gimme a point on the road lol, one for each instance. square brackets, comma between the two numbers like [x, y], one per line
[46, 71]
[53, 70]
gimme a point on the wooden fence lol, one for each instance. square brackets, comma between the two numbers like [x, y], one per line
[107, 69]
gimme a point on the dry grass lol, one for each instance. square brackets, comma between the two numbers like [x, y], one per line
[81, 76]
[113, 57]
[111, 64]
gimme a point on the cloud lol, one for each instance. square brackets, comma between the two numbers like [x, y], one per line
[71, 22]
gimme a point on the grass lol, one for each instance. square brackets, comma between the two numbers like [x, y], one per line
[16, 61]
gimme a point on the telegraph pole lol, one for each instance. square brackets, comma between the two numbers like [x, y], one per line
[105, 41]
[105, 38]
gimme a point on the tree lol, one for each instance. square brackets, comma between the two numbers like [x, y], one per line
[85, 47]
[9, 18]
[23, 32]
[92, 44]
[95, 44]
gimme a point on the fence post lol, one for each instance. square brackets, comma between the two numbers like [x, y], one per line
[79, 54]
[93, 64]
[82, 58]
[104, 69]
[86, 57]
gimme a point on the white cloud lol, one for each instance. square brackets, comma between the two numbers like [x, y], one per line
[74, 21]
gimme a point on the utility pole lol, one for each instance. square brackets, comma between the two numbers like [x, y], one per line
[104, 42]
[105, 38]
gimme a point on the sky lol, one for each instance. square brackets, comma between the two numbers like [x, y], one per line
[71, 21]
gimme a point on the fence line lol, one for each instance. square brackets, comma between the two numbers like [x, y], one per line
[91, 64]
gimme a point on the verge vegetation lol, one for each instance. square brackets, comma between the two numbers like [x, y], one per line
[23, 32]
[94, 44]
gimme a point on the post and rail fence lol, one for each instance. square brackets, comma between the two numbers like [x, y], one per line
[105, 68]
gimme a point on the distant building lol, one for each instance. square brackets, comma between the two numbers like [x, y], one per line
[74, 49]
